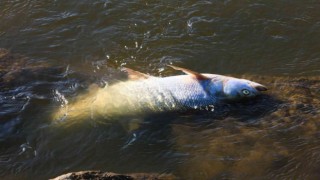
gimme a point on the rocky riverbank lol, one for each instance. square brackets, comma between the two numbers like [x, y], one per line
[94, 175]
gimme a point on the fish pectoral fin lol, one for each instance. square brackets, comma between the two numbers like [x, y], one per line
[135, 75]
[190, 72]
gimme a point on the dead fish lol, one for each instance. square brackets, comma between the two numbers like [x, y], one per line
[145, 94]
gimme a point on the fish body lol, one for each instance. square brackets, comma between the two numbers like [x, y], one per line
[154, 95]
[150, 94]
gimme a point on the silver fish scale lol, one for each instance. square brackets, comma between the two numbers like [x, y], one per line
[160, 94]
[189, 92]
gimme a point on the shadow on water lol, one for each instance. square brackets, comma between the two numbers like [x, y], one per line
[247, 112]
[168, 135]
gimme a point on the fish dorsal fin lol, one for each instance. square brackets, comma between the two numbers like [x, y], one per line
[135, 75]
[190, 72]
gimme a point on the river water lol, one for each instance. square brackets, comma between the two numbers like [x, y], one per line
[67, 45]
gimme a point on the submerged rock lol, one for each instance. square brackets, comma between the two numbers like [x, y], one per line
[16, 70]
[272, 137]
[93, 175]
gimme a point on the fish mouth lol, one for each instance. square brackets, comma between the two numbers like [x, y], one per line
[259, 87]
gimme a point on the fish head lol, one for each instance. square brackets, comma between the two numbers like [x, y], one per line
[236, 89]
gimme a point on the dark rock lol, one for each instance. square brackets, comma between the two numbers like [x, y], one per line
[113, 176]
[16, 69]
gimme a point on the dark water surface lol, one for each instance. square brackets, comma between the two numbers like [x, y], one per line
[66, 45]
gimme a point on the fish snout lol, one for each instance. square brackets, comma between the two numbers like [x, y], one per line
[258, 87]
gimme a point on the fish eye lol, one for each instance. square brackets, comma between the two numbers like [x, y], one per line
[245, 92]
